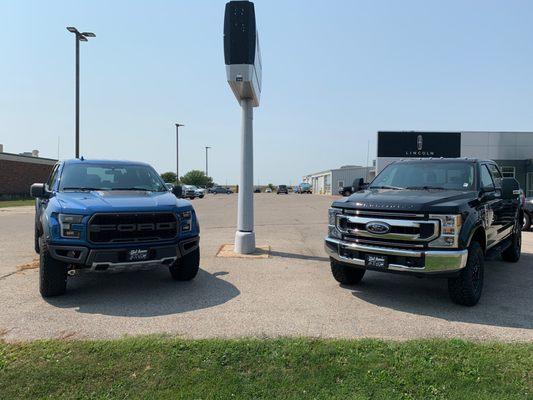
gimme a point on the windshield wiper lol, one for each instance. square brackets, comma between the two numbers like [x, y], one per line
[425, 188]
[386, 187]
[81, 189]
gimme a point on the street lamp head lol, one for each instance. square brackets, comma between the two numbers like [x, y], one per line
[88, 34]
[178, 125]
[72, 29]
[82, 38]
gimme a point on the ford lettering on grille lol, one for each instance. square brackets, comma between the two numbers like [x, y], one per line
[378, 228]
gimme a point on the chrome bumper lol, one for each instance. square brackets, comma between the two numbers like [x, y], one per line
[435, 261]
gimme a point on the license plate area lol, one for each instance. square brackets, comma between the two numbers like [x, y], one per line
[376, 261]
[138, 255]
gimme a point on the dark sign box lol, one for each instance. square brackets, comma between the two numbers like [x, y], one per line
[419, 144]
[239, 33]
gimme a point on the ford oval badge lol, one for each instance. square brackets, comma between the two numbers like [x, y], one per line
[377, 227]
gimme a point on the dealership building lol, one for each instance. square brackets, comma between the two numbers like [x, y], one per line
[513, 151]
[19, 171]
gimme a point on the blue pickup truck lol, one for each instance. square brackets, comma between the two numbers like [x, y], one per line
[94, 215]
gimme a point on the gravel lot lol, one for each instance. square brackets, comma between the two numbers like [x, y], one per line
[291, 293]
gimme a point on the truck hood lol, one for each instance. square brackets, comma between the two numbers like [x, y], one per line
[424, 201]
[118, 201]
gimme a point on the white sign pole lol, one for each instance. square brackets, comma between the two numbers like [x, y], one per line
[245, 235]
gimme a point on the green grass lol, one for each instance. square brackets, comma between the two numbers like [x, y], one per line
[164, 368]
[16, 203]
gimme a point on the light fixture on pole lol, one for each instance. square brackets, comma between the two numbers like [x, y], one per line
[206, 170]
[243, 70]
[178, 152]
[79, 37]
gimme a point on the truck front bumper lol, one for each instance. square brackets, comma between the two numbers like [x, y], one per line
[104, 258]
[418, 262]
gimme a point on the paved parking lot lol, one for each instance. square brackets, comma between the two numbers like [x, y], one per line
[291, 293]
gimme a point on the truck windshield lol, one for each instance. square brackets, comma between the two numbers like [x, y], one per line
[81, 177]
[426, 175]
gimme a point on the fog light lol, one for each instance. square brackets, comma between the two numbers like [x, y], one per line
[186, 227]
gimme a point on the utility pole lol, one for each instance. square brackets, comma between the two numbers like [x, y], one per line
[178, 152]
[206, 170]
[79, 37]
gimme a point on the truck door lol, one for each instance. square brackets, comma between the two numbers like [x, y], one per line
[505, 213]
[490, 205]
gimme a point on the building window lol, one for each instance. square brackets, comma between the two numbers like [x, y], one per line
[529, 185]
[341, 184]
[508, 172]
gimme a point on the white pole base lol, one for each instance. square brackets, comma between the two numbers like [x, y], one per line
[244, 242]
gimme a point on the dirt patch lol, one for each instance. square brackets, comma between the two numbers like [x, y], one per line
[31, 265]
[227, 251]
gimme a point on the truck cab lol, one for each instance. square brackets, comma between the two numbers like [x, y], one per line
[428, 217]
[93, 215]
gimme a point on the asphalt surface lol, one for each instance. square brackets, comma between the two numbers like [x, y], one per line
[291, 293]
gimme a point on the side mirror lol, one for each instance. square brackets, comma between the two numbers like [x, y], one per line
[510, 188]
[177, 190]
[38, 190]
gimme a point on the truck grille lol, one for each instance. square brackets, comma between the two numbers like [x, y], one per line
[132, 227]
[385, 228]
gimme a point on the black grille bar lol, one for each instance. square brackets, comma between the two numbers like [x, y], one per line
[132, 227]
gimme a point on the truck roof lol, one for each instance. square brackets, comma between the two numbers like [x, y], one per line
[463, 159]
[108, 162]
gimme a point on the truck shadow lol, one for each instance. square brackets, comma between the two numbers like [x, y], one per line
[506, 301]
[144, 293]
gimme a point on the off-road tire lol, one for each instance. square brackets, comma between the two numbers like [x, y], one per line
[512, 253]
[527, 222]
[186, 267]
[52, 274]
[467, 287]
[36, 240]
[346, 274]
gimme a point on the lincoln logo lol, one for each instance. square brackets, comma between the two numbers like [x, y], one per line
[419, 142]
[378, 228]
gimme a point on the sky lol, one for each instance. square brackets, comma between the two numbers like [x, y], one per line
[334, 73]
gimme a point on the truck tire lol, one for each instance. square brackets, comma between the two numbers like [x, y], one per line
[346, 274]
[52, 275]
[467, 287]
[36, 240]
[512, 253]
[186, 268]
[527, 222]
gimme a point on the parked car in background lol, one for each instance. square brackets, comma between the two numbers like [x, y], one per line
[357, 185]
[169, 186]
[221, 190]
[200, 192]
[190, 192]
[305, 188]
[428, 218]
[528, 213]
[257, 190]
[282, 189]
[99, 215]
[268, 190]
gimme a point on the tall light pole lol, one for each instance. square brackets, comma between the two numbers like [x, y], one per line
[178, 152]
[206, 170]
[78, 37]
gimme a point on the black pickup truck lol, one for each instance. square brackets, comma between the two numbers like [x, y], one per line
[428, 217]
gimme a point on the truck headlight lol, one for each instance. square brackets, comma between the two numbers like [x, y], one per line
[450, 227]
[332, 215]
[67, 226]
[186, 221]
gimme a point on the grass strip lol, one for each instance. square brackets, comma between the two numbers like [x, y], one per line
[16, 203]
[168, 368]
